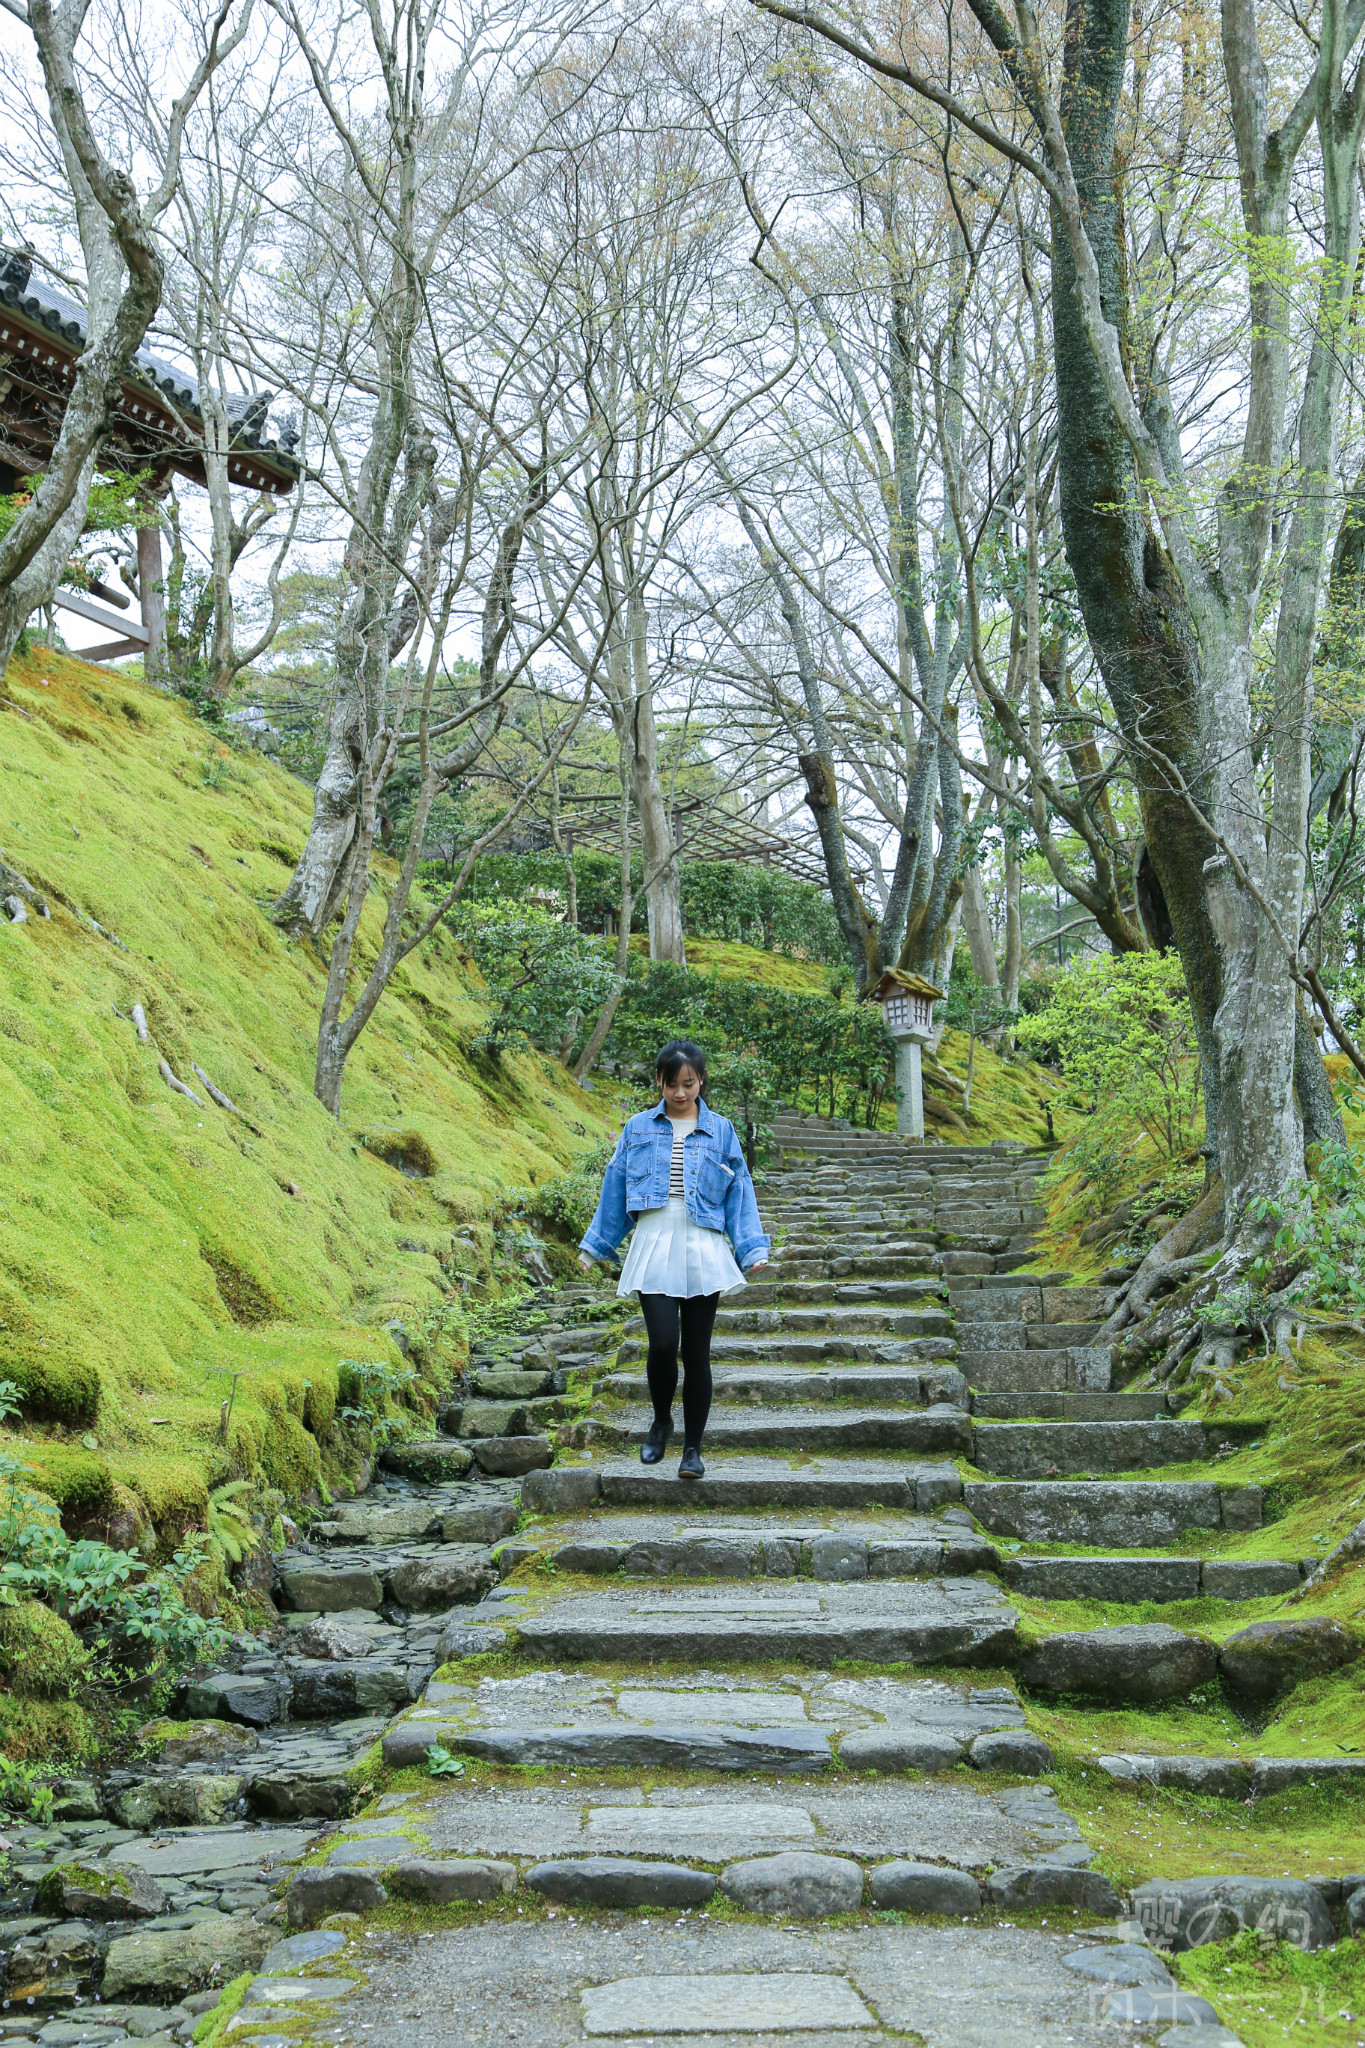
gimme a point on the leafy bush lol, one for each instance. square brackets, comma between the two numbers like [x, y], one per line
[549, 980]
[1122, 1031]
[818, 1050]
[1319, 1234]
[131, 1621]
[567, 1203]
[734, 900]
[371, 1398]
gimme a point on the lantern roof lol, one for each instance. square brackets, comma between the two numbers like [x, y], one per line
[893, 982]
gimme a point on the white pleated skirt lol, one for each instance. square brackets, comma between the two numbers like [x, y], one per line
[670, 1254]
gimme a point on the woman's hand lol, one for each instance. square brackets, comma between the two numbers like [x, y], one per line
[585, 1262]
[761, 1267]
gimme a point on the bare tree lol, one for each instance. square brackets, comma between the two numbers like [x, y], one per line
[124, 276]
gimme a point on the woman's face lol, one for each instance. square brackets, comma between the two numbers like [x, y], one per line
[680, 1094]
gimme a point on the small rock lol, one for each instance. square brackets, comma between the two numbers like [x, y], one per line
[898, 1749]
[513, 1386]
[621, 1881]
[330, 1692]
[15, 911]
[233, 1696]
[494, 1419]
[320, 1793]
[1182, 1913]
[1121, 1963]
[297, 1949]
[837, 1558]
[797, 1882]
[1012, 1749]
[1200, 2037]
[1053, 1884]
[182, 1802]
[1144, 2006]
[336, 1640]
[508, 1457]
[376, 1851]
[1270, 1657]
[438, 1884]
[314, 1894]
[75, 1799]
[1146, 1661]
[99, 1891]
[445, 1578]
[925, 1888]
[561, 1491]
[477, 1524]
[1355, 1912]
[459, 1639]
[429, 1462]
[318, 1589]
[198, 1742]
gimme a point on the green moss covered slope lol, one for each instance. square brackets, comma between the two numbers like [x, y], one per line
[151, 1249]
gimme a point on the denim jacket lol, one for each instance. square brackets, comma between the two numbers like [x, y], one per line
[716, 1186]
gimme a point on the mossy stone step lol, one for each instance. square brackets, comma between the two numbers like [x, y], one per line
[935, 1621]
[1074, 1370]
[739, 1482]
[1130, 1580]
[1062, 1407]
[876, 1349]
[1038, 1450]
[916, 1386]
[939, 1429]
[1122, 1514]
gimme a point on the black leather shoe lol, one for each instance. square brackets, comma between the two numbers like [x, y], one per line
[690, 1465]
[656, 1443]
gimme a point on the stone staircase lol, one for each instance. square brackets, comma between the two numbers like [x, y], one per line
[788, 1688]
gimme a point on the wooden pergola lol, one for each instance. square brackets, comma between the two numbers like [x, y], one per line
[157, 425]
[702, 831]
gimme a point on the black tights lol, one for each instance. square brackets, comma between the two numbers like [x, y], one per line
[663, 1313]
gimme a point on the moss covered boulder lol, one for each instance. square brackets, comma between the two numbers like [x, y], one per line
[158, 1968]
[99, 1891]
[178, 1802]
[40, 1656]
[197, 1742]
[1271, 1657]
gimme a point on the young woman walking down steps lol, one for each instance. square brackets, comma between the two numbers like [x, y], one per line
[678, 1175]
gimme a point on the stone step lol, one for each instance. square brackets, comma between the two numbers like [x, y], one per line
[869, 1384]
[1132, 1580]
[1079, 1371]
[912, 1621]
[847, 1319]
[938, 1429]
[739, 1482]
[754, 1723]
[797, 1294]
[1130, 1514]
[1061, 1407]
[784, 1350]
[1037, 1450]
[863, 1266]
[920, 1548]
[1242, 1778]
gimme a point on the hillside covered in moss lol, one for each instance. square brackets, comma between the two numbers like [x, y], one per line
[161, 1258]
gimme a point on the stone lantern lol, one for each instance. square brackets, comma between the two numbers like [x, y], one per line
[907, 1002]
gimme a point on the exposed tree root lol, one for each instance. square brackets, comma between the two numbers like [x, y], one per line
[172, 1082]
[223, 1101]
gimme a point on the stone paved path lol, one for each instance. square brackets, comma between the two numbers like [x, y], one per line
[700, 1680]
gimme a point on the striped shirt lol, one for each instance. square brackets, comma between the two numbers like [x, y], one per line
[675, 1169]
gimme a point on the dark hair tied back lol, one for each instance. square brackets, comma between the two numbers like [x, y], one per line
[677, 1054]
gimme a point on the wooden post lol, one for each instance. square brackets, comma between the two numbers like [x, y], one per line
[152, 591]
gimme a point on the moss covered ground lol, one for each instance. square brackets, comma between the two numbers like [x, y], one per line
[158, 1257]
